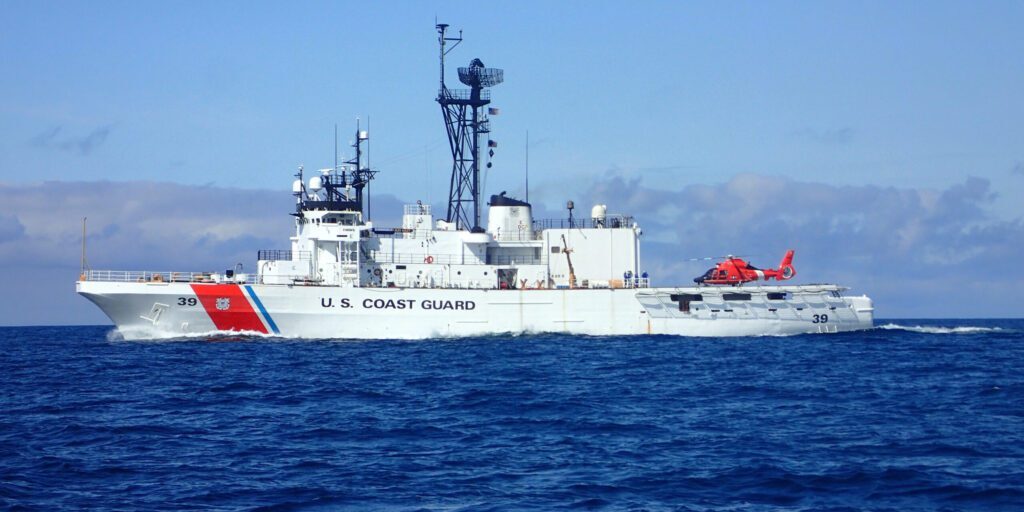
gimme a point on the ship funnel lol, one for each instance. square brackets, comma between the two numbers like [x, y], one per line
[510, 219]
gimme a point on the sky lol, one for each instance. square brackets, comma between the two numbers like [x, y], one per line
[882, 141]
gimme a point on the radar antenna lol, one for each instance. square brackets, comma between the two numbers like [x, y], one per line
[465, 121]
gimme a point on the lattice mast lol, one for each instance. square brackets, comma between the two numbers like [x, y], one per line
[465, 121]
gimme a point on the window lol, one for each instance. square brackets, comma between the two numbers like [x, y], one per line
[777, 296]
[555, 249]
[736, 296]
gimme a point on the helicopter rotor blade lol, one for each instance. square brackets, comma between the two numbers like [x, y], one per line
[711, 258]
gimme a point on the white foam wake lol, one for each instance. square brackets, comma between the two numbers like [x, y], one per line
[933, 329]
[144, 334]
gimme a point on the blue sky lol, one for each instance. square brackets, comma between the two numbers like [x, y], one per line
[913, 107]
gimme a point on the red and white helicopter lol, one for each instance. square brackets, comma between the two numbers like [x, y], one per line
[736, 271]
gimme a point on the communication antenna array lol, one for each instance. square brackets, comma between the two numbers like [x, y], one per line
[465, 121]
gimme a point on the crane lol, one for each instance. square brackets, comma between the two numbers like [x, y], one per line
[572, 273]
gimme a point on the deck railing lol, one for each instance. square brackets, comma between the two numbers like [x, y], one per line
[637, 282]
[611, 221]
[146, 276]
[449, 259]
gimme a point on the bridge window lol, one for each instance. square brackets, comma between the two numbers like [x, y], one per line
[777, 296]
[736, 296]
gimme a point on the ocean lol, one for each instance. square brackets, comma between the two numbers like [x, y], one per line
[912, 415]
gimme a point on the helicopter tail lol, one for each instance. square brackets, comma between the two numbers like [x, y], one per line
[786, 270]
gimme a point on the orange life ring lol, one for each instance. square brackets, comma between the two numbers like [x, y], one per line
[429, 259]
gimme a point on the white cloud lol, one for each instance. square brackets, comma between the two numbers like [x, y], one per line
[883, 241]
[917, 252]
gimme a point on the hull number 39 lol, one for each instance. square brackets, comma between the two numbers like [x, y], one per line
[187, 301]
[819, 319]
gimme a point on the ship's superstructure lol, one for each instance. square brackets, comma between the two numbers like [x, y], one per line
[344, 277]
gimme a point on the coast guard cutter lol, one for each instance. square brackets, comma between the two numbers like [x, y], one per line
[450, 275]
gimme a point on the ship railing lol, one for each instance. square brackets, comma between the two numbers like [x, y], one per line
[146, 276]
[526, 235]
[400, 258]
[403, 233]
[637, 282]
[417, 209]
[611, 221]
[462, 94]
[288, 279]
[450, 259]
[514, 260]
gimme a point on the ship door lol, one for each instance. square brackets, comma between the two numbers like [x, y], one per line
[507, 278]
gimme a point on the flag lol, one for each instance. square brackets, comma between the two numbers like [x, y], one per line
[492, 144]
[493, 111]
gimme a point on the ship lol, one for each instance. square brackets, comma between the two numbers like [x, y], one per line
[451, 275]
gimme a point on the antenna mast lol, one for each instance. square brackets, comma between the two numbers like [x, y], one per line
[465, 120]
[361, 176]
[85, 265]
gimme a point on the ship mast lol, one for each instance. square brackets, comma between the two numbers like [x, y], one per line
[360, 175]
[465, 121]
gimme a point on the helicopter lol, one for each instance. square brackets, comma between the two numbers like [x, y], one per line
[735, 271]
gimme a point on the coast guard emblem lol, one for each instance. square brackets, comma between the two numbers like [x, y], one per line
[223, 303]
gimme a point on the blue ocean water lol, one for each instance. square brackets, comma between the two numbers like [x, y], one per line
[915, 415]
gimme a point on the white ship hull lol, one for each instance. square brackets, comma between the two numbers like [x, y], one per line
[160, 310]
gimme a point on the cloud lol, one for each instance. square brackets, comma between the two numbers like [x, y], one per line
[135, 226]
[917, 252]
[1018, 168]
[835, 136]
[882, 240]
[10, 228]
[147, 225]
[83, 145]
[46, 138]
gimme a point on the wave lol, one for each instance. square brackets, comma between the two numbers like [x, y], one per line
[144, 334]
[934, 329]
